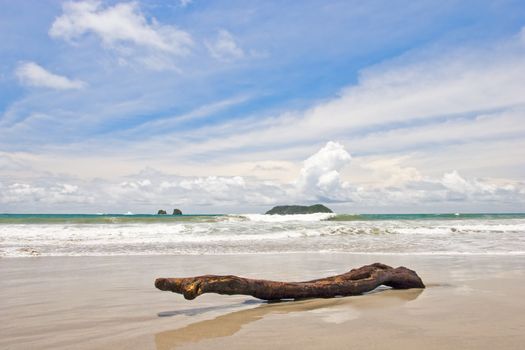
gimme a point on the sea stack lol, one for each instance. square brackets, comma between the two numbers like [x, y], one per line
[161, 212]
[177, 212]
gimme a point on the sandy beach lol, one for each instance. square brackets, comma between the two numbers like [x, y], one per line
[287, 141]
[471, 302]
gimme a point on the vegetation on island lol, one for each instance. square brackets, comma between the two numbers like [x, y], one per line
[298, 209]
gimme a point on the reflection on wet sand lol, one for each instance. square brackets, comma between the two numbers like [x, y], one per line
[231, 323]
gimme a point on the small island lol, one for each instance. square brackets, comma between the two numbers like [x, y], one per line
[298, 209]
[164, 212]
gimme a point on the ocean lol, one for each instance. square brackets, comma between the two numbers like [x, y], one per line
[28, 235]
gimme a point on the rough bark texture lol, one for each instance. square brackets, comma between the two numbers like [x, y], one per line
[354, 282]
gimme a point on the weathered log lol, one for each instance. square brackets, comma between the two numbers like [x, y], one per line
[354, 282]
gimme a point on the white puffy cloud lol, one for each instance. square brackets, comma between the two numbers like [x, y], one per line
[456, 183]
[33, 195]
[319, 177]
[386, 172]
[208, 190]
[224, 47]
[463, 189]
[32, 74]
[395, 186]
[124, 28]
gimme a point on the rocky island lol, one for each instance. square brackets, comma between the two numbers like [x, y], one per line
[298, 209]
[164, 212]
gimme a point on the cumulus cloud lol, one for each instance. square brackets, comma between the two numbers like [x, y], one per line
[390, 171]
[463, 189]
[224, 47]
[33, 195]
[208, 190]
[124, 28]
[32, 74]
[395, 185]
[319, 177]
[319, 180]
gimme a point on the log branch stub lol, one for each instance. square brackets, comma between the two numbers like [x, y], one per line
[354, 282]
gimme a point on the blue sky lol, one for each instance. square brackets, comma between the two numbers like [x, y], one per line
[234, 106]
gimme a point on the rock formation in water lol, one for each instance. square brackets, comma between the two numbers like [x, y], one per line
[161, 212]
[298, 209]
[177, 212]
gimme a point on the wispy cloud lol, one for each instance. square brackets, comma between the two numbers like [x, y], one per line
[224, 47]
[32, 74]
[123, 28]
[465, 94]
[185, 3]
[168, 124]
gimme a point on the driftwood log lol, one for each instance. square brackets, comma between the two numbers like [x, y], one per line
[354, 282]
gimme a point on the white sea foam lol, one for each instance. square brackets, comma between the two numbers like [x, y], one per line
[287, 218]
[267, 234]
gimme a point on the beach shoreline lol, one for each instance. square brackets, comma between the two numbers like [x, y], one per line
[111, 303]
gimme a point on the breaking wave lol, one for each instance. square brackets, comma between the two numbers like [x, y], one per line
[288, 218]
[254, 233]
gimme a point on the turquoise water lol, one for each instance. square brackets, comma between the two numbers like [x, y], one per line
[448, 216]
[102, 218]
[148, 218]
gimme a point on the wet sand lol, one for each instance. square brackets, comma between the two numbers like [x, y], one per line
[472, 302]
